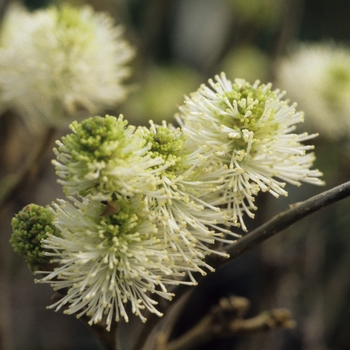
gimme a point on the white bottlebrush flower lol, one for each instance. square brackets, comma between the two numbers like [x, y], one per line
[181, 205]
[103, 157]
[317, 76]
[107, 262]
[248, 130]
[141, 224]
[61, 63]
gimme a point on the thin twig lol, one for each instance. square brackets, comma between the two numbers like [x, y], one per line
[225, 320]
[275, 225]
[283, 220]
[164, 326]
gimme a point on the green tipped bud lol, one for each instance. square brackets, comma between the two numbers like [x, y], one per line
[104, 157]
[30, 226]
[167, 143]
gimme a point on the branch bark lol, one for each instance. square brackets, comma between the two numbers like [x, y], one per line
[225, 320]
[283, 220]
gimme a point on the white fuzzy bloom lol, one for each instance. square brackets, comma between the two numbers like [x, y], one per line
[108, 262]
[144, 220]
[181, 204]
[103, 157]
[61, 63]
[317, 77]
[251, 147]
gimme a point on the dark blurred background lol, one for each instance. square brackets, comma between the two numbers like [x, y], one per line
[180, 44]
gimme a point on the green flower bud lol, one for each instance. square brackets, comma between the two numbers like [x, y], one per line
[167, 143]
[103, 157]
[30, 226]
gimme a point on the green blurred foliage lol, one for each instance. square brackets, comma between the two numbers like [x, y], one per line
[159, 92]
[246, 62]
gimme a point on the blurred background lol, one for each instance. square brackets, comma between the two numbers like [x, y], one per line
[181, 44]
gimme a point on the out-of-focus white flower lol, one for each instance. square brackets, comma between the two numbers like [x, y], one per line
[108, 261]
[251, 147]
[60, 63]
[317, 77]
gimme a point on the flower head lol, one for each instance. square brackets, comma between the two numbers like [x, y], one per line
[140, 223]
[103, 157]
[59, 62]
[317, 76]
[251, 147]
[181, 205]
[32, 224]
[107, 260]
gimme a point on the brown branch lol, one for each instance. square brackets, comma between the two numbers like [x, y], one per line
[225, 320]
[283, 220]
[275, 225]
[168, 321]
[267, 320]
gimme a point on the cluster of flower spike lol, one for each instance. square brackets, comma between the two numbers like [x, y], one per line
[146, 205]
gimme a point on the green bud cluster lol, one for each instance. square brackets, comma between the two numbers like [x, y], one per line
[30, 226]
[168, 144]
[87, 157]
